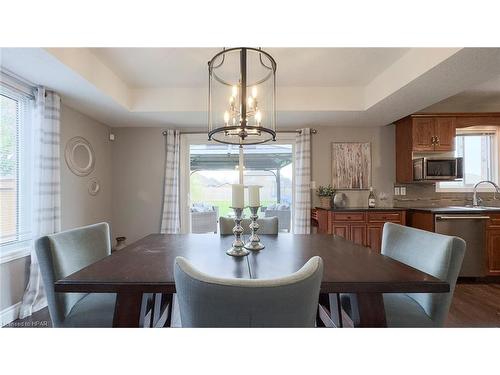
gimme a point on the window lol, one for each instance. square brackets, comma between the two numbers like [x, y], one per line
[479, 149]
[15, 167]
[208, 169]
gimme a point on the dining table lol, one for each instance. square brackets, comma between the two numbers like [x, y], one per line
[142, 274]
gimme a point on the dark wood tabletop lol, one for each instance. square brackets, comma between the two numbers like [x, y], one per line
[147, 266]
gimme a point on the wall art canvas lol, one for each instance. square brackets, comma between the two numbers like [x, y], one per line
[351, 166]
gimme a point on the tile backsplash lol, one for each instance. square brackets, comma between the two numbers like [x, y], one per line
[425, 195]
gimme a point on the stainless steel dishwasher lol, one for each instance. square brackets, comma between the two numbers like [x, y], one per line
[471, 228]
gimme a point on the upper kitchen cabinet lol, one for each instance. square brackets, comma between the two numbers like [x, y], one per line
[444, 133]
[422, 131]
[432, 133]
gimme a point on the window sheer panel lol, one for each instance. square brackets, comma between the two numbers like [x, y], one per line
[15, 168]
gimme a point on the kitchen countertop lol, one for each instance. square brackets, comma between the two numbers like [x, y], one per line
[455, 209]
[364, 209]
[434, 210]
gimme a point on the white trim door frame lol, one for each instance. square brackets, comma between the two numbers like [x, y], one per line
[198, 139]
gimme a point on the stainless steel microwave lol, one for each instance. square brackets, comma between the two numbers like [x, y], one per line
[437, 169]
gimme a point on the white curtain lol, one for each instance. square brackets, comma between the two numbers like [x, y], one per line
[170, 219]
[302, 162]
[46, 207]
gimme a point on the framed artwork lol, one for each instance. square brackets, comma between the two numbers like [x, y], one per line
[351, 165]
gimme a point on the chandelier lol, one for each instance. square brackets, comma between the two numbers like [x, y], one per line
[242, 97]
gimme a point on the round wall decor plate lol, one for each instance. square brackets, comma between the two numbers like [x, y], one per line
[79, 156]
[94, 186]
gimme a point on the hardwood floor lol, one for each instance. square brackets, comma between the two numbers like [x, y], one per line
[474, 305]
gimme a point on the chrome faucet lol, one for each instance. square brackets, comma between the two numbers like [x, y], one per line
[475, 198]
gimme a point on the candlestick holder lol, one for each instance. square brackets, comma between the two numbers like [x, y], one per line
[238, 249]
[254, 240]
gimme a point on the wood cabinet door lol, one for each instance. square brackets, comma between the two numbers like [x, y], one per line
[423, 133]
[444, 130]
[358, 234]
[374, 237]
[493, 246]
[341, 230]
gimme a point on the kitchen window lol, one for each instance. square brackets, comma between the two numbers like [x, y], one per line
[479, 149]
[16, 104]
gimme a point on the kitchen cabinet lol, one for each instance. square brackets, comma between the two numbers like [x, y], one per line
[493, 244]
[358, 234]
[421, 134]
[374, 236]
[342, 230]
[363, 227]
[433, 134]
[444, 131]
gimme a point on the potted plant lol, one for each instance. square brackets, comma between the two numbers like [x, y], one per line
[325, 194]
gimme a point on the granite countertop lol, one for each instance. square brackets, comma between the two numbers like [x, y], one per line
[436, 210]
[365, 209]
[455, 209]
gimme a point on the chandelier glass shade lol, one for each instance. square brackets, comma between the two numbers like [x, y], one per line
[242, 97]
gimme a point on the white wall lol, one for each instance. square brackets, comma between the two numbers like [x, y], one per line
[138, 158]
[382, 140]
[77, 206]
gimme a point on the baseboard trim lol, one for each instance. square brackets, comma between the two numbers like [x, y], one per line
[9, 314]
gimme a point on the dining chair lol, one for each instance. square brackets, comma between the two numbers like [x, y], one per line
[64, 253]
[436, 254]
[208, 301]
[267, 225]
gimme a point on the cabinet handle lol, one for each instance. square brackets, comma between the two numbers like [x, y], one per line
[437, 140]
[433, 140]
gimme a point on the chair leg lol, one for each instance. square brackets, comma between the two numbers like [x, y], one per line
[336, 309]
[168, 299]
[323, 315]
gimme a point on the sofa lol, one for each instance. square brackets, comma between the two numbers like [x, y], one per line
[282, 212]
[204, 218]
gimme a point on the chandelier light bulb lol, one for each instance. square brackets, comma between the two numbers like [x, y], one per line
[235, 91]
[254, 92]
[226, 117]
[258, 117]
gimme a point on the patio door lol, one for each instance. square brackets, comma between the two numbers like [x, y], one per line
[208, 169]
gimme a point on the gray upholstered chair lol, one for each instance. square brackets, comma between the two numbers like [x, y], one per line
[438, 255]
[206, 301]
[267, 225]
[64, 253]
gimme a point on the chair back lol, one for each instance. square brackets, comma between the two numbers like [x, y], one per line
[207, 301]
[436, 254]
[267, 225]
[61, 254]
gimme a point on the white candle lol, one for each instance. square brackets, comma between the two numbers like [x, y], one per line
[238, 196]
[253, 196]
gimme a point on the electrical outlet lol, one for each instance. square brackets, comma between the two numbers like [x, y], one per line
[396, 190]
[402, 190]
[111, 137]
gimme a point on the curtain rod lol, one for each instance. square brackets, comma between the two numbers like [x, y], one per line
[313, 131]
